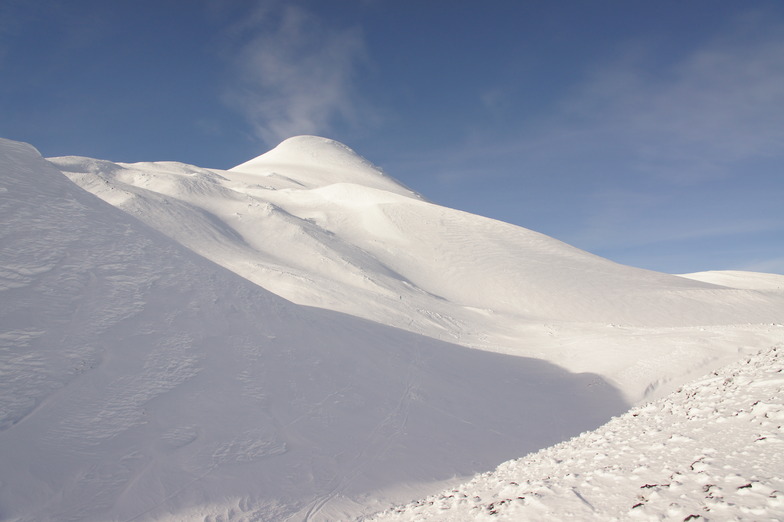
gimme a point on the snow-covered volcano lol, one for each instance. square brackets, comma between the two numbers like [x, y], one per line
[316, 223]
[151, 372]
[312, 209]
[142, 381]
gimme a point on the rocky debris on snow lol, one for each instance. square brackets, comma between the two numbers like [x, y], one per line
[713, 450]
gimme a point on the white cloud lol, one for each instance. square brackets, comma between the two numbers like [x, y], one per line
[294, 75]
[694, 120]
[658, 148]
[772, 266]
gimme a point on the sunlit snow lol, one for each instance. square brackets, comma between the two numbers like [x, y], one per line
[303, 338]
[710, 451]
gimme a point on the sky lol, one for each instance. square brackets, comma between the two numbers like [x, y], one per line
[650, 133]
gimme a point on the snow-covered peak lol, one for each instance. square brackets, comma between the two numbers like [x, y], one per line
[315, 223]
[143, 382]
[313, 161]
[313, 149]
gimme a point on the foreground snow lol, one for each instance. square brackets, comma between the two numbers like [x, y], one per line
[713, 450]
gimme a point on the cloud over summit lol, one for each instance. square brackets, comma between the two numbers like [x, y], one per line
[293, 74]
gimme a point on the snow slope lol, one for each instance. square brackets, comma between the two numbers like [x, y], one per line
[322, 212]
[148, 373]
[141, 381]
[713, 450]
[314, 222]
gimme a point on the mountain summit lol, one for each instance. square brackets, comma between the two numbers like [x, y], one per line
[313, 162]
[314, 222]
[141, 381]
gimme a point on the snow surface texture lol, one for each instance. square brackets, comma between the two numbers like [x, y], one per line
[316, 223]
[142, 380]
[713, 450]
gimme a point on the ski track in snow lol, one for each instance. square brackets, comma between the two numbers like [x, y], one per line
[141, 380]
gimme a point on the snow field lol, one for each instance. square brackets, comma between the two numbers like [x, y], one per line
[319, 225]
[144, 382]
[713, 450]
[148, 375]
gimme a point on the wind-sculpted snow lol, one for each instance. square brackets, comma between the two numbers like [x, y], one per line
[141, 381]
[713, 450]
[340, 235]
[317, 224]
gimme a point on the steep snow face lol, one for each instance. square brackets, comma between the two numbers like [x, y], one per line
[710, 451]
[317, 224]
[141, 381]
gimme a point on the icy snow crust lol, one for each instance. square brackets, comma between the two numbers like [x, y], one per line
[713, 450]
[142, 380]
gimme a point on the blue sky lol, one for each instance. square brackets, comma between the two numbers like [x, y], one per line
[651, 133]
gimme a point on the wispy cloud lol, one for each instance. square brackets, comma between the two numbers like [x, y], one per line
[696, 118]
[656, 146]
[773, 266]
[677, 134]
[294, 74]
